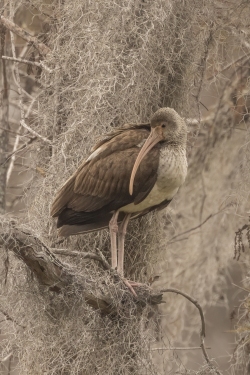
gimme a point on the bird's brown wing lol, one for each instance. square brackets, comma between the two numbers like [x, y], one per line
[127, 133]
[107, 180]
[104, 177]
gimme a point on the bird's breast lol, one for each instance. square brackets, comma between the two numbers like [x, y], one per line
[171, 174]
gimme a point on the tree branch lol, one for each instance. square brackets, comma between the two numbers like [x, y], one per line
[41, 47]
[197, 226]
[109, 298]
[23, 61]
[83, 255]
[27, 127]
[203, 326]
[180, 348]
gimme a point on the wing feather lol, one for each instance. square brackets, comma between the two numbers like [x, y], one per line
[103, 181]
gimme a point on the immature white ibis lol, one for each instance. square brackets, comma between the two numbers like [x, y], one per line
[134, 170]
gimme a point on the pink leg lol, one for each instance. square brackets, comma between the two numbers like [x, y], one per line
[121, 240]
[113, 228]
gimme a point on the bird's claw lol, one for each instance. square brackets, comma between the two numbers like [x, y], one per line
[130, 284]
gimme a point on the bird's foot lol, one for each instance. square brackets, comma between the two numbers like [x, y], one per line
[131, 284]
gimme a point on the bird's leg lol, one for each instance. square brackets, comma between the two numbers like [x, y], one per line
[113, 228]
[121, 239]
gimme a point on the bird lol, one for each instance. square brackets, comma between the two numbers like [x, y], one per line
[136, 169]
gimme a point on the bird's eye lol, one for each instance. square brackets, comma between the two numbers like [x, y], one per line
[163, 125]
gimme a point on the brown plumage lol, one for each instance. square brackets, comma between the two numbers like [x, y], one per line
[134, 170]
[100, 186]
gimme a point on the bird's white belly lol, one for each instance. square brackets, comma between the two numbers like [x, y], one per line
[171, 174]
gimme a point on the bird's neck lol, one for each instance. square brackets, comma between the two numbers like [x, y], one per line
[179, 143]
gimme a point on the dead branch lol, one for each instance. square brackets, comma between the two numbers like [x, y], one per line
[27, 127]
[239, 247]
[21, 105]
[23, 61]
[203, 326]
[21, 148]
[180, 348]
[242, 59]
[83, 255]
[203, 64]
[41, 47]
[15, 132]
[197, 226]
[8, 356]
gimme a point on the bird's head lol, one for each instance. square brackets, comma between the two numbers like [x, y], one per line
[167, 127]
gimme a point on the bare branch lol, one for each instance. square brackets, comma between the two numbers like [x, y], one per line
[82, 255]
[203, 326]
[230, 65]
[34, 63]
[41, 47]
[15, 132]
[176, 348]
[198, 226]
[106, 264]
[8, 356]
[23, 123]
[12, 160]
[21, 148]
[202, 75]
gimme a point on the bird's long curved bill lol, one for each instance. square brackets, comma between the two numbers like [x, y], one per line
[154, 137]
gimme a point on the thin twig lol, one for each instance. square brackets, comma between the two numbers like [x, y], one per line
[21, 148]
[192, 229]
[198, 226]
[41, 47]
[18, 82]
[8, 356]
[12, 160]
[84, 255]
[228, 66]
[21, 106]
[240, 287]
[15, 132]
[23, 123]
[203, 72]
[188, 348]
[203, 326]
[23, 61]
[204, 195]
[107, 265]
